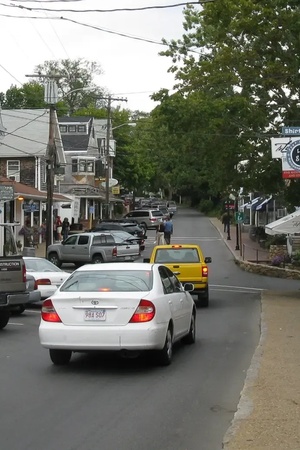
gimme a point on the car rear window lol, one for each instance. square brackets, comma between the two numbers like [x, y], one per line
[177, 255]
[157, 213]
[109, 281]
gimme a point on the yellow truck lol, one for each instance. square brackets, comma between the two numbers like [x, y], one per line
[189, 265]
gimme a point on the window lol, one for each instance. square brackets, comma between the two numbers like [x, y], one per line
[13, 169]
[83, 240]
[176, 283]
[167, 284]
[83, 166]
[81, 128]
[72, 128]
[71, 240]
[63, 128]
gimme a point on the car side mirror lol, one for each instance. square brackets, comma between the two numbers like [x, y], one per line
[207, 259]
[189, 287]
[146, 260]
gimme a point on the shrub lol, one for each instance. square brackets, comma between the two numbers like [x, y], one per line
[206, 206]
[278, 239]
[277, 260]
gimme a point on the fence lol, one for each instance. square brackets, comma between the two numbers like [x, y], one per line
[254, 254]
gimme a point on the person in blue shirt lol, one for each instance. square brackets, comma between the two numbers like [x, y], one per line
[168, 230]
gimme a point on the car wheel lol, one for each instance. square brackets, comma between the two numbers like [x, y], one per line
[97, 259]
[4, 318]
[190, 338]
[203, 299]
[60, 357]
[53, 257]
[165, 355]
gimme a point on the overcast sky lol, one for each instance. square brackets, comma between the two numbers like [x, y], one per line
[132, 68]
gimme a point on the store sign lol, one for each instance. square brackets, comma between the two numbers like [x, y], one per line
[6, 193]
[279, 145]
[30, 206]
[115, 190]
[291, 131]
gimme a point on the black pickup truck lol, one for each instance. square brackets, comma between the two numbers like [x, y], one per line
[13, 290]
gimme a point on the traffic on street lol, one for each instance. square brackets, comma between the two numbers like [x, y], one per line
[135, 403]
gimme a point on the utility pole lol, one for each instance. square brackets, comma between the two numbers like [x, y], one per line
[51, 98]
[107, 155]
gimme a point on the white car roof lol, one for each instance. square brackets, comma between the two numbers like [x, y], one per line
[116, 266]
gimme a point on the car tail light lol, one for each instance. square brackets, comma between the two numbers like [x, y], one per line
[144, 312]
[152, 220]
[115, 251]
[24, 273]
[43, 282]
[48, 312]
[205, 271]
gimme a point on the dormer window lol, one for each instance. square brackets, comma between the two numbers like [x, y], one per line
[81, 129]
[71, 128]
[63, 128]
[83, 166]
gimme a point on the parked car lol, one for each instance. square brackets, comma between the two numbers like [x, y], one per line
[92, 248]
[48, 277]
[189, 264]
[129, 238]
[121, 307]
[147, 218]
[131, 226]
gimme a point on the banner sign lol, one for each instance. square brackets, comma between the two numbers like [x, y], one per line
[279, 145]
[291, 131]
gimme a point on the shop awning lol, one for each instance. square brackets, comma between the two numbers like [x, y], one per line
[289, 224]
[264, 203]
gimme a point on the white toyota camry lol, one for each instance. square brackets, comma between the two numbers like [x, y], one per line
[121, 307]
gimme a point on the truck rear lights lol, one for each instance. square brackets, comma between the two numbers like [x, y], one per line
[144, 312]
[115, 251]
[49, 313]
[205, 271]
[24, 273]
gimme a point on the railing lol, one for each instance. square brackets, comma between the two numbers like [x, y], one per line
[254, 254]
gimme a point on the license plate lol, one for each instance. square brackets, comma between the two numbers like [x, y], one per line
[95, 314]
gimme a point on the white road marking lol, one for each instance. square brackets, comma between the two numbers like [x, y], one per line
[235, 287]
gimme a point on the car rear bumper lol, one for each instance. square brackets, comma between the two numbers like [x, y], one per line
[19, 298]
[131, 337]
[199, 287]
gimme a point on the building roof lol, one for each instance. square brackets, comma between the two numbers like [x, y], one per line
[26, 133]
[29, 192]
[76, 119]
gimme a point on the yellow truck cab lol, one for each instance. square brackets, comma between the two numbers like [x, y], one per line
[189, 265]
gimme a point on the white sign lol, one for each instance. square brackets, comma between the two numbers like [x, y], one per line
[278, 145]
[112, 182]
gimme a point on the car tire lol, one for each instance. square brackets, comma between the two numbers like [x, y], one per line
[4, 318]
[164, 356]
[190, 338]
[203, 299]
[53, 257]
[60, 357]
[97, 259]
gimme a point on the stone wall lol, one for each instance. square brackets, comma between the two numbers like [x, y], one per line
[277, 250]
[270, 271]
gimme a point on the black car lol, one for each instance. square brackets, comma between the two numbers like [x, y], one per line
[130, 227]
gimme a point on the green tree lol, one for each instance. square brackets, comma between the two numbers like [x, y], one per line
[237, 66]
[30, 95]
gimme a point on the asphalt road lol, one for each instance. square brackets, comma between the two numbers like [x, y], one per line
[103, 402]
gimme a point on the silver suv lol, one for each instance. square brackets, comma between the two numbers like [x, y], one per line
[147, 218]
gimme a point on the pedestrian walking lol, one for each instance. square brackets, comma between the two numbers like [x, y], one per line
[160, 240]
[168, 230]
[226, 221]
[65, 228]
[58, 225]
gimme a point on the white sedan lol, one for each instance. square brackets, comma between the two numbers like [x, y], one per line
[48, 277]
[121, 307]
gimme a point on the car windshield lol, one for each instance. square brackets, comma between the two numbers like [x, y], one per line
[179, 255]
[40, 265]
[109, 281]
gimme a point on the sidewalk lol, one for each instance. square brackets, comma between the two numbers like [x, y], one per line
[268, 414]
